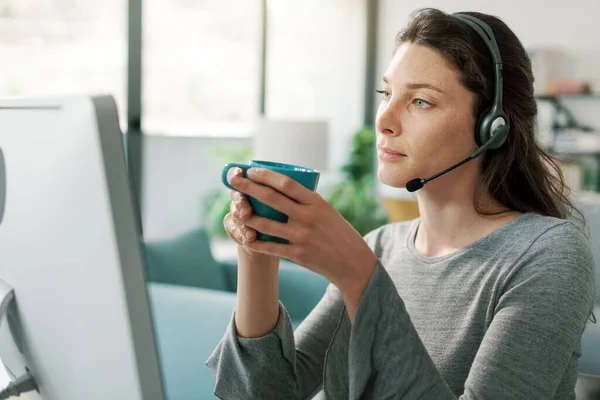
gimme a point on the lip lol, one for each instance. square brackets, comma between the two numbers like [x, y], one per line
[387, 154]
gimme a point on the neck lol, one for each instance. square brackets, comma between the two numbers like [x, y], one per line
[449, 219]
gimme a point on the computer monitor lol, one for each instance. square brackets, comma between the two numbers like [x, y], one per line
[70, 249]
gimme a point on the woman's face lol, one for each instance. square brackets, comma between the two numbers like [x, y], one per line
[424, 122]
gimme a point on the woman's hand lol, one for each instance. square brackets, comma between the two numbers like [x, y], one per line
[234, 222]
[320, 239]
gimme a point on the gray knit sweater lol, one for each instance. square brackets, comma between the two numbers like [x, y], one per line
[499, 319]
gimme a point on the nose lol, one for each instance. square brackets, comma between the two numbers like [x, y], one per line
[386, 122]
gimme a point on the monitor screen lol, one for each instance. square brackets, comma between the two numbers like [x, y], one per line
[80, 320]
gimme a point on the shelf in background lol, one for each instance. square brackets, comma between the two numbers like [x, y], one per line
[583, 143]
[554, 97]
[576, 153]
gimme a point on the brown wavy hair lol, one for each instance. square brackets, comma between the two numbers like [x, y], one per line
[520, 174]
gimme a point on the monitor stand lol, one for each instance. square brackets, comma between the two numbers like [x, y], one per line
[11, 340]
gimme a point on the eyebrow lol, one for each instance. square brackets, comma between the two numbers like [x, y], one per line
[418, 85]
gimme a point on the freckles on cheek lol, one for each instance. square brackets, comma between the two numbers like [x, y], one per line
[427, 149]
[435, 155]
[455, 137]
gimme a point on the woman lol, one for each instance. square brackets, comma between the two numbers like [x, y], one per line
[485, 296]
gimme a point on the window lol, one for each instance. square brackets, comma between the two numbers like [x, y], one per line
[201, 65]
[61, 47]
[201, 61]
[316, 66]
[314, 46]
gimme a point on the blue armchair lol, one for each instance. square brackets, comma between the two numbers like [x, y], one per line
[588, 384]
[192, 299]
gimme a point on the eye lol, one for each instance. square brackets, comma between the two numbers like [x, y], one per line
[386, 94]
[420, 103]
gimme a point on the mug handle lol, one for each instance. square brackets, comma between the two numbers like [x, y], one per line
[226, 169]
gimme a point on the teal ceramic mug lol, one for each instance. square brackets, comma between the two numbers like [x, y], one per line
[307, 177]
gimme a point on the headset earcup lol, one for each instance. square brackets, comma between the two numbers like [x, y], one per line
[481, 134]
[499, 137]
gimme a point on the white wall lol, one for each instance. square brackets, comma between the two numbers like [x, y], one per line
[177, 173]
[571, 26]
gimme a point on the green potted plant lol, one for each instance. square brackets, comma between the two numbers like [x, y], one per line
[355, 197]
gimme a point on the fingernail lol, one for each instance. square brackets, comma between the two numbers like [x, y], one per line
[248, 235]
[252, 172]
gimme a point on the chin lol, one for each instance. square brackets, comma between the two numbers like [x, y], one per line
[392, 177]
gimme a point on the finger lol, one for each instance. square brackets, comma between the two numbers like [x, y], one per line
[245, 233]
[272, 248]
[231, 228]
[238, 197]
[240, 206]
[272, 228]
[239, 233]
[234, 213]
[244, 208]
[268, 196]
[249, 235]
[235, 195]
[284, 184]
[237, 171]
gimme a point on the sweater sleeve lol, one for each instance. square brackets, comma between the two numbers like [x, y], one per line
[281, 364]
[535, 333]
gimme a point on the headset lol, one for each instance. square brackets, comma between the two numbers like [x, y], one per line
[492, 127]
[493, 123]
